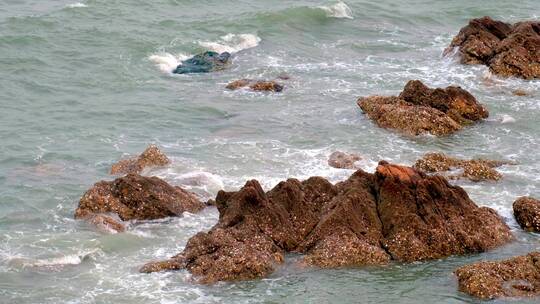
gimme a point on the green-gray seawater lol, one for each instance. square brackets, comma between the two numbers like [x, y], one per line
[83, 84]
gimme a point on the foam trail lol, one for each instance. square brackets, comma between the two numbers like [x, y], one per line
[338, 10]
[55, 262]
[232, 43]
[76, 5]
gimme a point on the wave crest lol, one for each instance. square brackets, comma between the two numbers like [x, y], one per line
[338, 10]
[232, 43]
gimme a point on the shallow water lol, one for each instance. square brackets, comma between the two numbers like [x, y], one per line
[82, 84]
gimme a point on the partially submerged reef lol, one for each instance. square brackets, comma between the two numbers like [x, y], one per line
[474, 169]
[507, 49]
[395, 214]
[256, 85]
[151, 157]
[205, 62]
[422, 110]
[343, 160]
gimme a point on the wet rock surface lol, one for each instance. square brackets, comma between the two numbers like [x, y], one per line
[397, 213]
[204, 63]
[256, 85]
[420, 110]
[151, 157]
[134, 197]
[527, 213]
[507, 49]
[474, 170]
[515, 277]
[342, 160]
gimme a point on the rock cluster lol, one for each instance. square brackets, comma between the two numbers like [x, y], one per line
[474, 170]
[151, 157]
[516, 277]
[204, 63]
[256, 85]
[419, 109]
[134, 197]
[507, 49]
[397, 213]
[527, 213]
[342, 160]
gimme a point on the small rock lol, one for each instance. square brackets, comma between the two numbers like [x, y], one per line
[204, 63]
[527, 213]
[259, 85]
[342, 160]
[151, 157]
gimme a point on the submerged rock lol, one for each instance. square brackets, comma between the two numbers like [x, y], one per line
[420, 110]
[204, 63]
[475, 169]
[516, 277]
[527, 213]
[135, 197]
[508, 50]
[342, 160]
[151, 157]
[398, 213]
[256, 85]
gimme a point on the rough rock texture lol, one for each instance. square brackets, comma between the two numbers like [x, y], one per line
[105, 223]
[397, 213]
[342, 160]
[151, 157]
[420, 110]
[527, 213]
[516, 277]
[509, 50]
[475, 169]
[135, 197]
[256, 85]
[204, 63]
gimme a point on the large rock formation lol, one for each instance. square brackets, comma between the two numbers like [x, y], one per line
[342, 160]
[204, 63]
[475, 169]
[508, 50]
[134, 197]
[527, 213]
[516, 277]
[419, 109]
[256, 85]
[151, 157]
[397, 213]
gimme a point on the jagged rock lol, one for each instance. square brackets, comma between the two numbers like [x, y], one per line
[508, 50]
[105, 223]
[475, 169]
[151, 157]
[420, 110]
[135, 197]
[398, 213]
[342, 160]
[204, 63]
[527, 213]
[515, 277]
[256, 85]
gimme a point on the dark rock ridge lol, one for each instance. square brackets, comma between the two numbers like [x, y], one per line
[419, 109]
[397, 213]
[151, 157]
[256, 85]
[527, 213]
[507, 49]
[204, 63]
[342, 160]
[474, 169]
[134, 197]
[516, 277]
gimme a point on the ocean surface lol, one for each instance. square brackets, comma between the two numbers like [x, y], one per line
[83, 84]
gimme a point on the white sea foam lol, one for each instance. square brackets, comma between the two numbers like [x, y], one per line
[505, 118]
[338, 10]
[167, 62]
[232, 43]
[54, 262]
[76, 5]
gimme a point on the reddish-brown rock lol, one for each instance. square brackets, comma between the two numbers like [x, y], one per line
[527, 213]
[515, 277]
[151, 157]
[509, 50]
[420, 110]
[135, 197]
[397, 213]
[342, 160]
[256, 85]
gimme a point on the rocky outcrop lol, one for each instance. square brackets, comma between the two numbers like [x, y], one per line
[516, 277]
[342, 160]
[397, 213]
[204, 63]
[419, 109]
[507, 49]
[134, 197]
[151, 157]
[527, 213]
[256, 85]
[474, 170]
